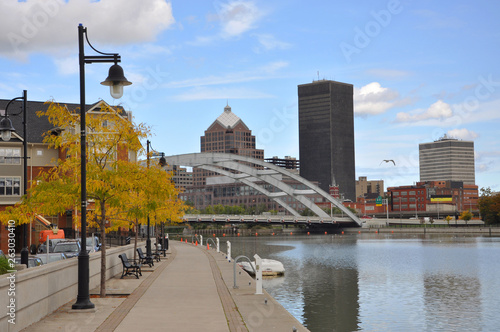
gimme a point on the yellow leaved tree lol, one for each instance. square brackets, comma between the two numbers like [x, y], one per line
[119, 189]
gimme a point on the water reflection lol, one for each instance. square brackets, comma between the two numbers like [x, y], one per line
[384, 282]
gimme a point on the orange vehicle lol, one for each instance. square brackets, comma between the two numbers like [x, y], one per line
[54, 233]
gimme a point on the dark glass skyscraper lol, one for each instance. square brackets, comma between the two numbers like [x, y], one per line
[326, 135]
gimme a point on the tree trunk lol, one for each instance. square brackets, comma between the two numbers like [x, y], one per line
[103, 250]
[136, 238]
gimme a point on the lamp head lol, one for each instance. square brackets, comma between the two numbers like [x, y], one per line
[116, 80]
[6, 128]
[163, 161]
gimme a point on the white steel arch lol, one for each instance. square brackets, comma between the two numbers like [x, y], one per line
[221, 162]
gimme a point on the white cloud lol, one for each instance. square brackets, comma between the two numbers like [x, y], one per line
[237, 17]
[438, 110]
[373, 99]
[51, 25]
[204, 93]
[269, 42]
[463, 134]
[265, 72]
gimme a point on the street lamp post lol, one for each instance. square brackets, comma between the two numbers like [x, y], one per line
[6, 129]
[162, 163]
[148, 240]
[115, 80]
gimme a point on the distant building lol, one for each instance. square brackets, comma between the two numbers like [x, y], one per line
[326, 135]
[180, 175]
[365, 186]
[434, 196]
[447, 159]
[227, 134]
[288, 162]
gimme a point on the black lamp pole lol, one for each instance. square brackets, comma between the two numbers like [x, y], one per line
[6, 126]
[116, 80]
[148, 241]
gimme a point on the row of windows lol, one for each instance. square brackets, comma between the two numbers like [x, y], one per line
[10, 156]
[412, 193]
[10, 186]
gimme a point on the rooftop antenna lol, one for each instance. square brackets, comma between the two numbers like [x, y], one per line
[318, 75]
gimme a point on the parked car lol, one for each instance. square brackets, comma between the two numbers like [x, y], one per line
[52, 244]
[33, 261]
[70, 247]
[53, 257]
[97, 244]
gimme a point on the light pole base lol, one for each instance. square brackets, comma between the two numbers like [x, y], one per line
[83, 298]
[24, 256]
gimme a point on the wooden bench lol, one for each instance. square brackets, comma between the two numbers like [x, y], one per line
[145, 259]
[130, 268]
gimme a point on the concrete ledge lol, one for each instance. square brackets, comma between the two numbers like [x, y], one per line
[41, 290]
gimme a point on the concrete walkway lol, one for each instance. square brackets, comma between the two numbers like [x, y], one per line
[191, 290]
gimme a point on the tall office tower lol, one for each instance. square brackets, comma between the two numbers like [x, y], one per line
[326, 135]
[447, 159]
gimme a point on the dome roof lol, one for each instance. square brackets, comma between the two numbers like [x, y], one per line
[228, 119]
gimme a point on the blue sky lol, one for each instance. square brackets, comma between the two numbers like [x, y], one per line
[420, 69]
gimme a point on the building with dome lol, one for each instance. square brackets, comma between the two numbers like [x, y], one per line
[227, 134]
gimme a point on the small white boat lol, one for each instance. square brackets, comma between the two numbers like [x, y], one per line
[270, 268]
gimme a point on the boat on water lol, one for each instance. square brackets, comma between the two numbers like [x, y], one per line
[270, 268]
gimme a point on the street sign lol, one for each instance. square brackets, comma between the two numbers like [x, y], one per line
[378, 201]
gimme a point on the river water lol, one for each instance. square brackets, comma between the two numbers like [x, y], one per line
[384, 282]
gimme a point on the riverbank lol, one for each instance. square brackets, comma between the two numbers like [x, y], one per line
[418, 229]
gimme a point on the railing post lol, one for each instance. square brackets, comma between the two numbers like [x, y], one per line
[258, 274]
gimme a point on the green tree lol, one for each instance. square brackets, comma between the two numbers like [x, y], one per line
[489, 206]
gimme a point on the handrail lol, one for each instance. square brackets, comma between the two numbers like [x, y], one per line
[234, 268]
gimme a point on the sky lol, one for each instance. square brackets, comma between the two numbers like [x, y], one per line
[420, 69]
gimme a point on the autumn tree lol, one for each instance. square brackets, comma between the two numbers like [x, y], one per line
[489, 206]
[466, 216]
[113, 178]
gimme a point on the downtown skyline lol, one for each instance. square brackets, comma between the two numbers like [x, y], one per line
[420, 70]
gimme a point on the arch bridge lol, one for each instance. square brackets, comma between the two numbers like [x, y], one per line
[254, 172]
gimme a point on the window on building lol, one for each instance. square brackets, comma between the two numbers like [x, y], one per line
[395, 193]
[412, 193]
[10, 186]
[10, 156]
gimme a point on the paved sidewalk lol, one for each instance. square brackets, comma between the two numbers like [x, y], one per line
[190, 291]
[183, 298]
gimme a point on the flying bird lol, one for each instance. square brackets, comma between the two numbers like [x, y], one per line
[387, 161]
